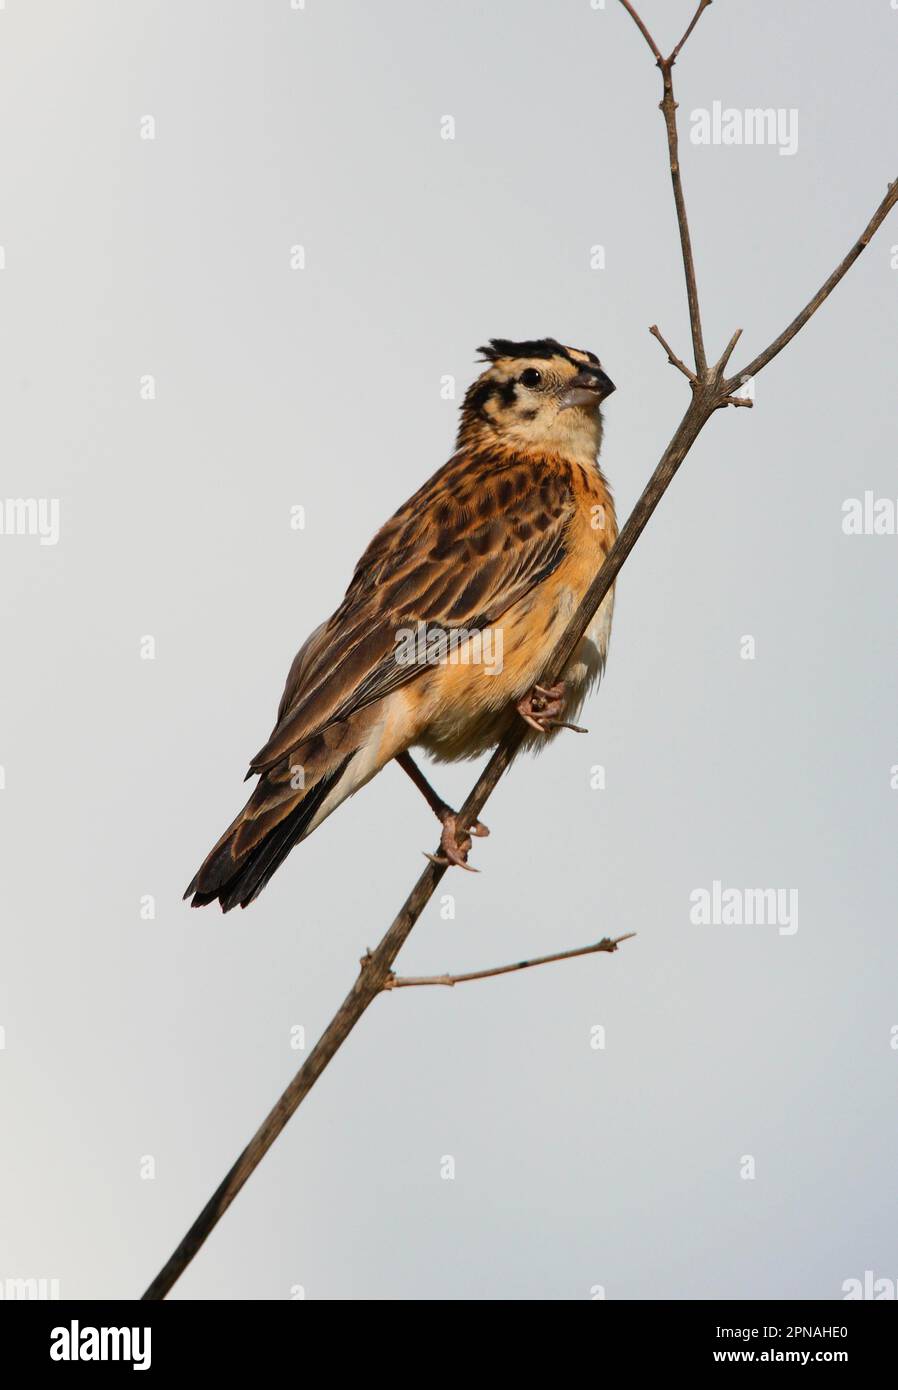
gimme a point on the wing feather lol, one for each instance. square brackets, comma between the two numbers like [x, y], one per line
[472, 542]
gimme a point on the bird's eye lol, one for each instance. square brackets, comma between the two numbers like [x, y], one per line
[530, 377]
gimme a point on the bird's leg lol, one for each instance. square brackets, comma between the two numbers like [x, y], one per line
[542, 706]
[453, 849]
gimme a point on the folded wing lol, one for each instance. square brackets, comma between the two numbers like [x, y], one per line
[472, 542]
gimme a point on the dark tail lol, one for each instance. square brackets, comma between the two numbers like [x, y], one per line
[233, 876]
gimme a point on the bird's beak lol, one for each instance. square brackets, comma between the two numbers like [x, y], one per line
[588, 388]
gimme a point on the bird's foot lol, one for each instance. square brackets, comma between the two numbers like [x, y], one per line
[454, 844]
[542, 706]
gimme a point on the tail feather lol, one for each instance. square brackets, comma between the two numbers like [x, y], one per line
[233, 877]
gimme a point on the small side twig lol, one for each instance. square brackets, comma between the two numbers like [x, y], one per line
[607, 944]
[703, 5]
[727, 353]
[672, 357]
[644, 30]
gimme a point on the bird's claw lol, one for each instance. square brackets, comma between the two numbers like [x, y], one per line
[542, 706]
[454, 847]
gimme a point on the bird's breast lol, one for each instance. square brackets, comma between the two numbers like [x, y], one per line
[467, 704]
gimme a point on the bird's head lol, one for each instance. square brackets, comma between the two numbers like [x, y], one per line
[536, 396]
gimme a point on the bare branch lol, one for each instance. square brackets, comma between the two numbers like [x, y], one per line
[409, 981]
[825, 290]
[671, 355]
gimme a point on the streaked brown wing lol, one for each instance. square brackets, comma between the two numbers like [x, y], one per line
[468, 545]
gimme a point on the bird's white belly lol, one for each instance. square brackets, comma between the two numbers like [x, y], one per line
[588, 662]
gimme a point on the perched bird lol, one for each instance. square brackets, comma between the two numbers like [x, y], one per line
[446, 632]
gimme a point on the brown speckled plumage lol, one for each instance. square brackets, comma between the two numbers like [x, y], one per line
[502, 542]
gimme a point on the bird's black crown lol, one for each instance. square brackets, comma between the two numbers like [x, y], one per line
[532, 347]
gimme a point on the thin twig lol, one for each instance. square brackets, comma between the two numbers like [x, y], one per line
[825, 290]
[671, 355]
[709, 393]
[607, 943]
[669, 111]
[703, 5]
[643, 30]
[721, 365]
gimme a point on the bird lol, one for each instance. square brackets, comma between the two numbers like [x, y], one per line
[445, 635]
